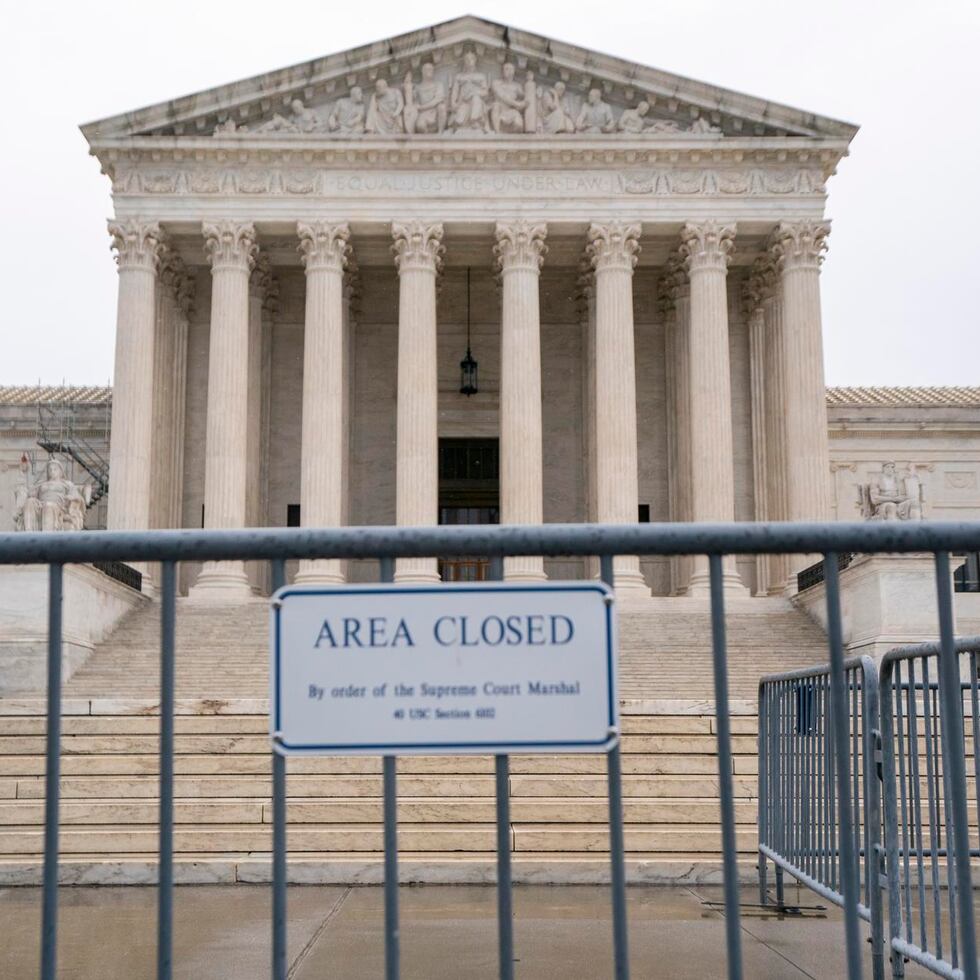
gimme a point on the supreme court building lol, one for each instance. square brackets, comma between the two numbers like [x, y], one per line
[469, 274]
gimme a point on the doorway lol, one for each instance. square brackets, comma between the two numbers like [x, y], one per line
[469, 493]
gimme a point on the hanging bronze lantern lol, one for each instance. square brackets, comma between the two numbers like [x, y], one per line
[468, 366]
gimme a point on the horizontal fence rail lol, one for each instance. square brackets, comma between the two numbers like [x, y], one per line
[799, 826]
[930, 712]
[495, 542]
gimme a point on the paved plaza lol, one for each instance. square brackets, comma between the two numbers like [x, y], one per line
[448, 933]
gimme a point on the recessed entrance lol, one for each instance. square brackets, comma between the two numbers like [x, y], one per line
[469, 493]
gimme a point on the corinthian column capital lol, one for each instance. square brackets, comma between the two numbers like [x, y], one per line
[417, 246]
[230, 244]
[799, 244]
[707, 245]
[324, 245]
[614, 246]
[520, 245]
[138, 244]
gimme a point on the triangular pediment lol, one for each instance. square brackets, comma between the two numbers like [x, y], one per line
[467, 78]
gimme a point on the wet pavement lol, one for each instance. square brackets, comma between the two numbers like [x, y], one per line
[447, 933]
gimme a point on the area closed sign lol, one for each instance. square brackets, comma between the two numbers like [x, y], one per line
[472, 668]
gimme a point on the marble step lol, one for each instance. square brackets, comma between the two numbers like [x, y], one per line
[259, 724]
[260, 764]
[248, 744]
[354, 810]
[568, 787]
[242, 838]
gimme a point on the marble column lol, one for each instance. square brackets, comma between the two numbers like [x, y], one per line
[418, 253]
[798, 249]
[775, 426]
[324, 247]
[520, 251]
[585, 295]
[675, 295]
[706, 248]
[174, 296]
[263, 291]
[761, 405]
[613, 249]
[138, 246]
[231, 248]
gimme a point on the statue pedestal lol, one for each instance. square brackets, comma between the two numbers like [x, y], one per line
[886, 601]
[92, 606]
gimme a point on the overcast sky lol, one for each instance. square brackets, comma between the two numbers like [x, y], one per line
[901, 281]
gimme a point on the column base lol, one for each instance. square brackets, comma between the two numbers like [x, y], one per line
[526, 568]
[628, 580]
[732, 584]
[319, 571]
[416, 571]
[221, 581]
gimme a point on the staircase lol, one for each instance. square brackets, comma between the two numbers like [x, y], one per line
[446, 804]
[57, 433]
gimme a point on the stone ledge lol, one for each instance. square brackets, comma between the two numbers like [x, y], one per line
[449, 870]
[38, 706]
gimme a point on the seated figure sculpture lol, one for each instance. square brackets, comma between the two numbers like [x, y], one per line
[890, 497]
[53, 503]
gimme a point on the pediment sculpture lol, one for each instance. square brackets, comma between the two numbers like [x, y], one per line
[52, 503]
[892, 496]
[466, 100]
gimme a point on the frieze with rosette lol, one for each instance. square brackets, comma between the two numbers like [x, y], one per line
[664, 182]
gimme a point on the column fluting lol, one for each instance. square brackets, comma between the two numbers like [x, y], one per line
[325, 247]
[418, 253]
[761, 404]
[520, 249]
[798, 249]
[675, 295]
[706, 249]
[613, 249]
[231, 249]
[139, 246]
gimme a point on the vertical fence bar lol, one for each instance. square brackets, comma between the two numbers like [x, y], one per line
[952, 708]
[279, 870]
[165, 875]
[838, 704]
[505, 902]
[52, 780]
[733, 936]
[390, 781]
[765, 692]
[617, 857]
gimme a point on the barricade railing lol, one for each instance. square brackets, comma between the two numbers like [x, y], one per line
[800, 783]
[387, 544]
[930, 712]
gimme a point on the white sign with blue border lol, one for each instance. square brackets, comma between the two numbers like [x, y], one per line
[481, 668]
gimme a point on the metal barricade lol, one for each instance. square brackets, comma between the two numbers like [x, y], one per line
[930, 711]
[803, 790]
[386, 544]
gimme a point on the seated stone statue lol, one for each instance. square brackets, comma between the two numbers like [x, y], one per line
[632, 120]
[53, 503]
[348, 115]
[595, 116]
[509, 102]
[384, 115]
[890, 497]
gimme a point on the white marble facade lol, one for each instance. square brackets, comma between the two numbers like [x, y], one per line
[644, 256]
